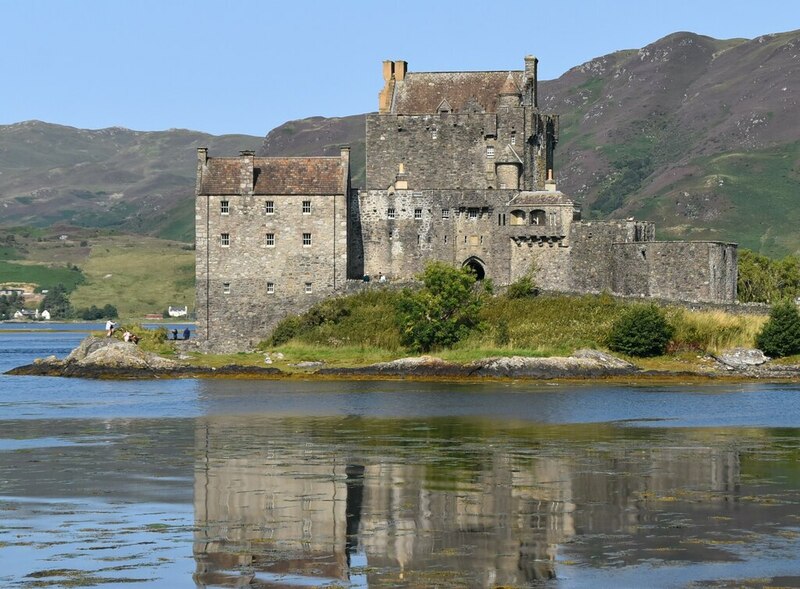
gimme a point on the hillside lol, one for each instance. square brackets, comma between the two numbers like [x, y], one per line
[700, 135]
[132, 181]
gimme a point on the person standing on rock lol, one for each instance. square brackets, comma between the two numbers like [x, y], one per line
[110, 327]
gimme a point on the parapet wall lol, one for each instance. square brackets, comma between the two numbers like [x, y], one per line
[693, 271]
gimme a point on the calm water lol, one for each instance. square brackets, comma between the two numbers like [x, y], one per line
[192, 483]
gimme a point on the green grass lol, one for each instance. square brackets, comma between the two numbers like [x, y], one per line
[754, 191]
[43, 275]
[137, 275]
[543, 326]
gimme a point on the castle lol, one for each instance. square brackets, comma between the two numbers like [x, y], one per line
[459, 170]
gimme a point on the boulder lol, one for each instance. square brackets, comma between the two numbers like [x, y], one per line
[742, 358]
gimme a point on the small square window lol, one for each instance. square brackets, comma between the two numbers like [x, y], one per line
[269, 207]
[391, 213]
[472, 213]
[306, 239]
[417, 214]
[306, 207]
[226, 288]
[445, 213]
[270, 240]
[490, 151]
[270, 288]
[224, 207]
[225, 239]
[307, 288]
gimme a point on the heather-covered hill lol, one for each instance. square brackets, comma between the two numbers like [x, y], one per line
[698, 134]
[133, 181]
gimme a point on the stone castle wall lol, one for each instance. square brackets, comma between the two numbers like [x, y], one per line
[234, 279]
[699, 271]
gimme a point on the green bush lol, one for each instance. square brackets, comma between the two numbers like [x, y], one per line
[442, 312]
[780, 335]
[522, 288]
[642, 330]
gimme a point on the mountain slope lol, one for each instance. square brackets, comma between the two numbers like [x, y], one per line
[134, 181]
[700, 135]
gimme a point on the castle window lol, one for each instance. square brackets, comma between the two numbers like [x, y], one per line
[223, 207]
[553, 218]
[306, 240]
[306, 207]
[490, 151]
[538, 217]
[518, 217]
[391, 213]
[307, 288]
[270, 240]
[445, 239]
[226, 288]
[433, 134]
[445, 213]
[472, 213]
[269, 207]
[225, 239]
[270, 288]
[417, 214]
[513, 137]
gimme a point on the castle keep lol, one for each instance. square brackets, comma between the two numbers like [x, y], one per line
[459, 170]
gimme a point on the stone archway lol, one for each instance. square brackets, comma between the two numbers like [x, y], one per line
[476, 265]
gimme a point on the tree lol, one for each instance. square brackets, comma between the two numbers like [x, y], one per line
[780, 335]
[57, 303]
[442, 312]
[641, 331]
[9, 304]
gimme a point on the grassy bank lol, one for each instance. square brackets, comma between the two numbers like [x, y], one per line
[361, 329]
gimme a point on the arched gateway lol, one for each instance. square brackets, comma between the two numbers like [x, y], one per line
[476, 265]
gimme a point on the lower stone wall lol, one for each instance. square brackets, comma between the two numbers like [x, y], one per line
[690, 271]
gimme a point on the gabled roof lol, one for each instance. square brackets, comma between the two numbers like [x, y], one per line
[423, 92]
[275, 175]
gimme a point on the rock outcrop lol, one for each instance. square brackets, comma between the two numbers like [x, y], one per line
[582, 364]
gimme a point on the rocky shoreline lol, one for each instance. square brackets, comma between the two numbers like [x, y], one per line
[103, 358]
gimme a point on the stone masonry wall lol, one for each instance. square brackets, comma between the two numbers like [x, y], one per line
[234, 305]
[592, 264]
[698, 271]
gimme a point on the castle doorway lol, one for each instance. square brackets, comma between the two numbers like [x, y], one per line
[476, 265]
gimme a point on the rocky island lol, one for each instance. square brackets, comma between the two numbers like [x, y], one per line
[109, 358]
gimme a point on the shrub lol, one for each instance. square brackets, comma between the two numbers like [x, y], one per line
[522, 288]
[444, 311]
[780, 335]
[641, 331]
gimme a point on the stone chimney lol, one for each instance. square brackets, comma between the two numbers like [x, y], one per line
[202, 160]
[400, 69]
[247, 175]
[344, 154]
[550, 183]
[531, 91]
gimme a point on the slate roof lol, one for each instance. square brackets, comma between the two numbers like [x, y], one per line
[275, 175]
[423, 92]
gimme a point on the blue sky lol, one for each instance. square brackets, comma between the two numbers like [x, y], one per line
[248, 66]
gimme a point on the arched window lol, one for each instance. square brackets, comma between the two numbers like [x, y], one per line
[538, 217]
[518, 217]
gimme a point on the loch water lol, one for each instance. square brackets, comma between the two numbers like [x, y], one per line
[232, 483]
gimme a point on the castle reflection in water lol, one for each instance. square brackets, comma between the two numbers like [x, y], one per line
[295, 505]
